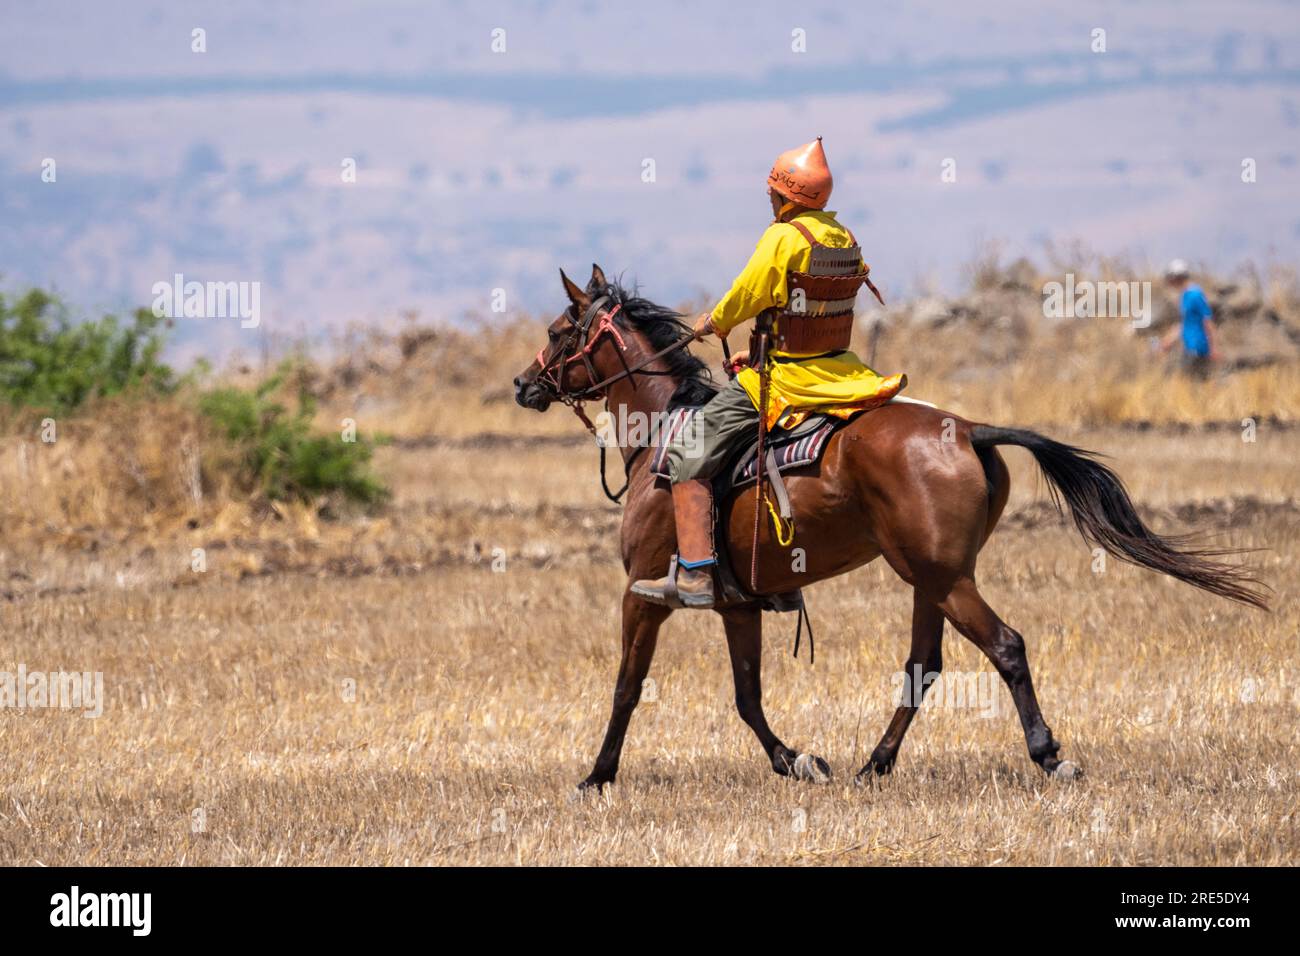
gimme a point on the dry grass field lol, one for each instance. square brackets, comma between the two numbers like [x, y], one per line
[376, 689]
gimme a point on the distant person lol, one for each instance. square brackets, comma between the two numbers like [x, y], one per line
[1199, 338]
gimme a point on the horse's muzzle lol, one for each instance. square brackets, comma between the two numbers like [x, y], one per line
[530, 395]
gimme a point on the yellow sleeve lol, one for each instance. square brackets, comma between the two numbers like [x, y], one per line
[761, 284]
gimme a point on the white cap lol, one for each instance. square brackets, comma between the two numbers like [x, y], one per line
[1177, 269]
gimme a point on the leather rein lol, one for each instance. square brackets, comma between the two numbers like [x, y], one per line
[586, 334]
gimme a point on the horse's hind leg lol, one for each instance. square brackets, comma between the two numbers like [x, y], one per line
[641, 622]
[923, 665]
[745, 644]
[1005, 647]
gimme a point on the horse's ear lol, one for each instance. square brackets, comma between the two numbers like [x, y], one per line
[598, 282]
[575, 293]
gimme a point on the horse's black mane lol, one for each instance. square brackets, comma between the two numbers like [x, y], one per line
[662, 326]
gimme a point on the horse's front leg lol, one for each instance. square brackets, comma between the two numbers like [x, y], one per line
[745, 643]
[641, 622]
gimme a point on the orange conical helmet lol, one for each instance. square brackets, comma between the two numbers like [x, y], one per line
[801, 175]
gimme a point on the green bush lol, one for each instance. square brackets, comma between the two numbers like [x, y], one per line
[51, 363]
[279, 456]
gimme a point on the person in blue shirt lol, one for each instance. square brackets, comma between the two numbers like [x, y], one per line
[1200, 341]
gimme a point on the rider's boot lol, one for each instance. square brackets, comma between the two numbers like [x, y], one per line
[693, 513]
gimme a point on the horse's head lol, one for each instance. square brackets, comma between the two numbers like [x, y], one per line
[580, 348]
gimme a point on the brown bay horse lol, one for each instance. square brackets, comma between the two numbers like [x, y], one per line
[919, 486]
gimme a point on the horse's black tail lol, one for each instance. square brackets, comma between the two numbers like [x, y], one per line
[1104, 514]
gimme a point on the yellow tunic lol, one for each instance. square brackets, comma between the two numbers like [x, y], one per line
[839, 384]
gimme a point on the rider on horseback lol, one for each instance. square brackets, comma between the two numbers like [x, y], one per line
[801, 280]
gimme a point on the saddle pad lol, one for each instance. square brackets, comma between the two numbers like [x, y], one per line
[794, 449]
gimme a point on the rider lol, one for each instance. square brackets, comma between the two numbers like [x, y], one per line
[805, 248]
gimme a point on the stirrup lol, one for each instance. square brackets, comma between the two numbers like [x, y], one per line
[677, 599]
[670, 596]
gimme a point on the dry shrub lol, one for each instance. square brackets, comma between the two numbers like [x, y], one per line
[1087, 373]
[129, 488]
[120, 463]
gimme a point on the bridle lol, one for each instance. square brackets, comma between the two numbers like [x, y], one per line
[585, 335]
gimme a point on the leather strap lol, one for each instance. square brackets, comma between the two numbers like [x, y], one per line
[778, 487]
[866, 268]
[671, 597]
[809, 236]
[760, 339]
[806, 234]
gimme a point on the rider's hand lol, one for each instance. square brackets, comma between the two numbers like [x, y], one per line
[739, 360]
[704, 327]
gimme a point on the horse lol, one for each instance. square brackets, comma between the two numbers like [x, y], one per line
[921, 487]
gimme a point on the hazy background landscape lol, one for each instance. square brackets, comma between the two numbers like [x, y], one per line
[479, 170]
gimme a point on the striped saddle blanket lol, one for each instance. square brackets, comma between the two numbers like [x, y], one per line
[800, 446]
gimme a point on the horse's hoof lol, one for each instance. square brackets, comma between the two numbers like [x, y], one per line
[872, 774]
[591, 785]
[811, 768]
[876, 768]
[1067, 770]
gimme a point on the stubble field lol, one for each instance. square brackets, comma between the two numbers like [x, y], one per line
[400, 691]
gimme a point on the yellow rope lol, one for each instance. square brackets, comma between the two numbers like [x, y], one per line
[785, 539]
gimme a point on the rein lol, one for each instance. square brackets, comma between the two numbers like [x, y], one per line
[614, 496]
[588, 333]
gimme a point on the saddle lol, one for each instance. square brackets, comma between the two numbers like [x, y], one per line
[799, 447]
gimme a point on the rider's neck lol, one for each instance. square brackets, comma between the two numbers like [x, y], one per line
[794, 210]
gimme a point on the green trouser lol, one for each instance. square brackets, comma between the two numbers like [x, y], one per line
[718, 431]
